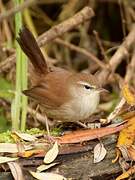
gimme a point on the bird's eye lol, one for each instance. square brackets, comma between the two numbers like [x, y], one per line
[88, 87]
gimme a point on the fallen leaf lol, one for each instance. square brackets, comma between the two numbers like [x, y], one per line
[126, 174]
[99, 152]
[127, 135]
[15, 137]
[8, 147]
[12, 148]
[25, 136]
[51, 154]
[16, 171]
[6, 159]
[131, 152]
[44, 167]
[30, 153]
[128, 95]
[88, 134]
[124, 151]
[20, 147]
[47, 176]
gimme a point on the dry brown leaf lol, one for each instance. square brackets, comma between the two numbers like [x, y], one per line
[88, 134]
[99, 152]
[51, 154]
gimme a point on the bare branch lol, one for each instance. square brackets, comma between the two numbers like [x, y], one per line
[82, 51]
[100, 46]
[121, 53]
[8, 63]
[130, 69]
[83, 15]
[58, 30]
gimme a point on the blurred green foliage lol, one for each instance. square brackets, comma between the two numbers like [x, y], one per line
[4, 124]
[6, 92]
[5, 137]
[6, 89]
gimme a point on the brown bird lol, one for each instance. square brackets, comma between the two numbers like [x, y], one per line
[65, 96]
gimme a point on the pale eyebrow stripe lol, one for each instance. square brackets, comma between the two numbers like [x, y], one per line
[85, 83]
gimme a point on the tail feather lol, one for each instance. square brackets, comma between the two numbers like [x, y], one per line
[30, 47]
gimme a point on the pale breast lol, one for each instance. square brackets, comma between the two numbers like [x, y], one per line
[79, 108]
[82, 107]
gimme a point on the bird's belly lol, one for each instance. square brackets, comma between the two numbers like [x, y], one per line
[76, 110]
[81, 109]
[84, 109]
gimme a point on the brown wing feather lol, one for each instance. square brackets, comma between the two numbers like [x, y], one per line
[51, 91]
[41, 95]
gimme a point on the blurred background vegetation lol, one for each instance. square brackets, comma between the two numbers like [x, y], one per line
[112, 22]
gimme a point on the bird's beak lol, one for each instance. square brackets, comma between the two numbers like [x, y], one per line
[103, 90]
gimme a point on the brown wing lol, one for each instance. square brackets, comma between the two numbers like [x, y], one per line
[52, 90]
[43, 96]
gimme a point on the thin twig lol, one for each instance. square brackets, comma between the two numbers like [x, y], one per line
[118, 56]
[122, 18]
[8, 63]
[82, 51]
[6, 26]
[123, 50]
[101, 46]
[132, 13]
[84, 15]
[130, 69]
[24, 5]
[117, 109]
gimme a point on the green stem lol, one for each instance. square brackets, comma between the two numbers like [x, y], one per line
[19, 105]
[17, 102]
[24, 98]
